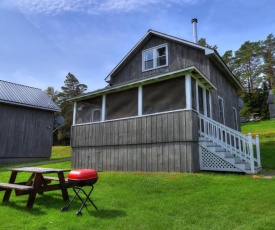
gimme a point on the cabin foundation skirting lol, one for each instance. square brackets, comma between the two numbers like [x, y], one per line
[157, 157]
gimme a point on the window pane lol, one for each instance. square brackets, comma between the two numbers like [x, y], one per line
[85, 110]
[235, 119]
[161, 56]
[149, 64]
[122, 104]
[96, 115]
[221, 111]
[201, 105]
[208, 103]
[161, 61]
[164, 96]
[161, 51]
[148, 55]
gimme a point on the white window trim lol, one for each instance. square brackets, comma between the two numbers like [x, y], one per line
[154, 57]
[222, 109]
[235, 119]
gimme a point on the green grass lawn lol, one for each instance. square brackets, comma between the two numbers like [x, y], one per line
[152, 201]
[134, 200]
[266, 132]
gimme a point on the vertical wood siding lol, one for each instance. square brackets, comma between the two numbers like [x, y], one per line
[24, 135]
[179, 57]
[165, 142]
[227, 92]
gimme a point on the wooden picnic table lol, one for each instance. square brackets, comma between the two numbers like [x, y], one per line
[38, 182]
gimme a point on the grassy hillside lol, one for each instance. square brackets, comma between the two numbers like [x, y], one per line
[266, 132]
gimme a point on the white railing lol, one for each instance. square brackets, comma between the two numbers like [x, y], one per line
[242, 146]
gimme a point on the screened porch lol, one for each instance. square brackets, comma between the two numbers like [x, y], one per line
[182, 90]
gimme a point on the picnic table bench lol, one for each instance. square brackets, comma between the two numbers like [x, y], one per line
[37, 183]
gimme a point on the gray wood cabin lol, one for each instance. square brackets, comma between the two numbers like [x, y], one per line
[26, 123]
[170, 105]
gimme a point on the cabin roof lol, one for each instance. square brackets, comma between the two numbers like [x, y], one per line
[12, 93]
[208, 51]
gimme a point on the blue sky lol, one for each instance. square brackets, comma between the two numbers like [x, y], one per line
[42, 40]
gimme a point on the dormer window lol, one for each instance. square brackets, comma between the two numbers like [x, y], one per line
[155, 57]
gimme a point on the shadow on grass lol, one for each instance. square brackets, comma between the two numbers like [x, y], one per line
[42, 204]
[108, 214]
[18, 207]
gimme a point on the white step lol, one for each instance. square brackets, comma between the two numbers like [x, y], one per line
[229, 157]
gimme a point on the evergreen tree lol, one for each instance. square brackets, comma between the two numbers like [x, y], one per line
[268, 55]
[202, 42]
[71, 89]
[246, 63]
[255, 101]
[52, 93]
[228, 58]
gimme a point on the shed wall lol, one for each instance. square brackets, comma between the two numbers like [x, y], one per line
[163, 142]
[26, 134]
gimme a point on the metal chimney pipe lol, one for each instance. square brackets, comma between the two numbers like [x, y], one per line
[194, 22]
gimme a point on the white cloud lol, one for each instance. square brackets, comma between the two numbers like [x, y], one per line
[87, 6]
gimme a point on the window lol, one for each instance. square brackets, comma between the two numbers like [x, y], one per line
[89, 110]
[155, 57]
[208, 105]
[235, 118]
[201, 102]
[221, 110]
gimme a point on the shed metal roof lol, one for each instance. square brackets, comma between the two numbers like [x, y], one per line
[11, 93]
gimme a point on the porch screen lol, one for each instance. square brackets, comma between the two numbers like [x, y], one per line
[122, 104]
[164, 96]
[89, 110]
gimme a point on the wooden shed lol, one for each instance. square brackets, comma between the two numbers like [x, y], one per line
[170, 105]
[26, 123]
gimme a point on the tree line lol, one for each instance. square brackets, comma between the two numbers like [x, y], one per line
[254, 66]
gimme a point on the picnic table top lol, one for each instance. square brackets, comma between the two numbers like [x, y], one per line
[38, 170]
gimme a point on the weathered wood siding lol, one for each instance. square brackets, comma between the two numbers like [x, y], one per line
[227, 90]
[179, 57]
[165, 142]
[26, 134]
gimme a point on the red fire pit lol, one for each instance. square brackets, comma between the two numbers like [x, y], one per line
[80, 178]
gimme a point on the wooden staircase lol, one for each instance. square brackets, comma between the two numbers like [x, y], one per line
[224, 149]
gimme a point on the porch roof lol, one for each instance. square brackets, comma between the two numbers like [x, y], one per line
[193, 71]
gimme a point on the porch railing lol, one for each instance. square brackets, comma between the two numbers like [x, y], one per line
[242, 146]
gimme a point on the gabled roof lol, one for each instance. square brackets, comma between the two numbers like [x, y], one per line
[11, 93]
[208, 51]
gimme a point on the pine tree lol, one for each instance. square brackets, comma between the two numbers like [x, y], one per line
[247, 62]
[71, 89]
[268, 55]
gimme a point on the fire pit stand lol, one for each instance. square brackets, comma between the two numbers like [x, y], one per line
[80, 178]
